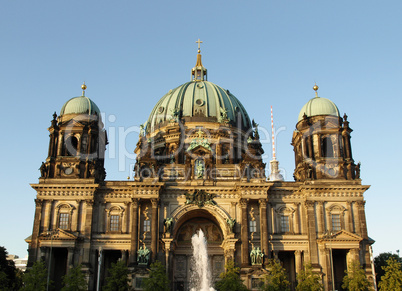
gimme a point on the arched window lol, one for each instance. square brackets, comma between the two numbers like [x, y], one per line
[71, 145]
[327, 149]
[64, 213]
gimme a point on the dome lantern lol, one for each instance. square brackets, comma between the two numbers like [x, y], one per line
[199, 72]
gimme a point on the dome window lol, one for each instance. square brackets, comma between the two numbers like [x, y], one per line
[327, 149]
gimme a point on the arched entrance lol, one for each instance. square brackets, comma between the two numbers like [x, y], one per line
[187, 225]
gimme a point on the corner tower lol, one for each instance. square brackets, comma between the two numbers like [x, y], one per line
[77, 142]
[321, 143]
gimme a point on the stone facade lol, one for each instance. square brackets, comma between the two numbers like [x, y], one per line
[200, 172]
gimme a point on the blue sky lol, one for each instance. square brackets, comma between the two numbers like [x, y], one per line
[130, 53]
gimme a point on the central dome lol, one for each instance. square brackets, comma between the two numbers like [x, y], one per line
[199, 101]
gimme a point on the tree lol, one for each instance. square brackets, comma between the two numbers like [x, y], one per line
[230, 279]
[35, 279]
[392, 279]
[157, 280]
[117, 279]
[355, 279]
[308, 280]
[7, 271]
[277, 279]
[74, 280]
[381, 261]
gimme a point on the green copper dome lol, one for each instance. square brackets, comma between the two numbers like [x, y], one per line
[199, 101]
[319, 106]
[80, 105]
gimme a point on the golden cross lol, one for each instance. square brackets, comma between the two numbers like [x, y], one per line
[199, 42]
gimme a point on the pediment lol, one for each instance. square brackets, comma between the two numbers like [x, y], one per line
[59, 234]
[74, 124]
[343, 236]
[200, 150]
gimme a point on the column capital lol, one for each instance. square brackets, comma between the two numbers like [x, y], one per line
[263, 202]
[89, 202]
[243, 202]
[38, 202]
[309, 203]
[361, 203]
[155, 202]
[135, 202]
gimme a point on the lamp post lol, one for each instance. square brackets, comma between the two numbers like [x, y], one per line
[51, 233]
[328, 235]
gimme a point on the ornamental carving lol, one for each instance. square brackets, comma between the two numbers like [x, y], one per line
[200, 198]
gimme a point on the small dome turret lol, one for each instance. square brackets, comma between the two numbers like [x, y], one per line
[318, 106]
[80, 105]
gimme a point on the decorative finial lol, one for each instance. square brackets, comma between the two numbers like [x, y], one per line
[315, 88]
[199, 43]
[83, 87]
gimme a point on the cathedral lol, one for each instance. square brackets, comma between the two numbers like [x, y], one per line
[199, 166]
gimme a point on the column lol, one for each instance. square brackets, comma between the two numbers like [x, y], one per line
[269, 224]
[244, 232]
[297, 218]
[320, 217]
[263, 226]
[48, 214]
[352, 255]
[154, 228]
[298, 261]
[312, 237]
[273, 220]
[362, 218]
[124, 256]
[218, 154]
[77, 217]
[348, 218]
[70, 258]
[356, 219]
[60, 144]
[35, 232]
[134, 231]
[87, 232]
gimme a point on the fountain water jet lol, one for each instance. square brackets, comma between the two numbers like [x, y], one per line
[201, 275]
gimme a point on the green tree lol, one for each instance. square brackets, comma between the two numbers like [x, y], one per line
[35, 278]
[157, 280]
[355, 279]
[276, 279]
[230, 279]
[117, 279]
[392, 278]
[74, 280]
[308, 280]
[381, 261]
[7, 271]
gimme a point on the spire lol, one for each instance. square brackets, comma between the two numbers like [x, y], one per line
[199, 72]
[275, 173]
[83, 87]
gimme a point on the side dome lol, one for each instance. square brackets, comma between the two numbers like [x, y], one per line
[198, 101]
[80, 105]
[318, 106]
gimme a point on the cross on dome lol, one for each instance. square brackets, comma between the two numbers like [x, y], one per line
[199, 45]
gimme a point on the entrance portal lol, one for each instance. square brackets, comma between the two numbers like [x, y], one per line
[182, 262]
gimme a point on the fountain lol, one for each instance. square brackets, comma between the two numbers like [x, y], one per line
[200, 275]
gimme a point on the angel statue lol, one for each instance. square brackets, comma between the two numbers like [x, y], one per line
[224, 115]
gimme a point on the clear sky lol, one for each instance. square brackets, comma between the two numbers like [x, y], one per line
[130, 53]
